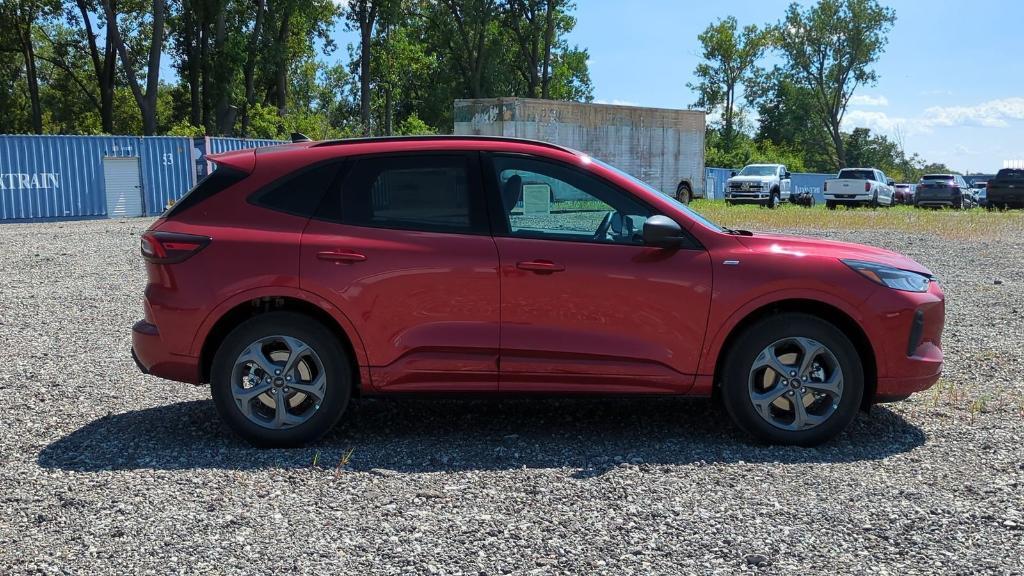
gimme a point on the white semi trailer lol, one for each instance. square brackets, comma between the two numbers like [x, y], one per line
[660, 146]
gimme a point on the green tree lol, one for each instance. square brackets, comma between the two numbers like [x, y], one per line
[829, 49]
[730, 58]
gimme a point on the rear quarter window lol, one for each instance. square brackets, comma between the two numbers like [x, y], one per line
[220, 179]
[299, 193]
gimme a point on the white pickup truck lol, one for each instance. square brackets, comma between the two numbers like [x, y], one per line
[764, 184]
[859, 187]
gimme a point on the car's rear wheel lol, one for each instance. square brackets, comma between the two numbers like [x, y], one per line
[831, 205]
[792, 379]
[281, 379]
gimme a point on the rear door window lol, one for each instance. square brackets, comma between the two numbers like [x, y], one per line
[428, 192]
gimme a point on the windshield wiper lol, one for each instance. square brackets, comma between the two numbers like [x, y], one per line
[737, 232]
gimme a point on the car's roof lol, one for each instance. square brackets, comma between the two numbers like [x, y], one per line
[764, 164]
[855, 168]
[437, 142]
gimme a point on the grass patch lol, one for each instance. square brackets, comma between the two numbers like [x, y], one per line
[954, 224]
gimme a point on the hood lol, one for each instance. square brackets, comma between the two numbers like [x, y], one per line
[815, 247]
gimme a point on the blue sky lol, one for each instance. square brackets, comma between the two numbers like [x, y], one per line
[949, 79]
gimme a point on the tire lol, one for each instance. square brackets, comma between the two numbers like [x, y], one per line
[774, 200]
[741, 380]
[830, 204]
[874, 201]
[683, 194]
[324, 357]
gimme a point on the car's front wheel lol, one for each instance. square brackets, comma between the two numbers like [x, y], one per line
[792, 379]
[281, 379]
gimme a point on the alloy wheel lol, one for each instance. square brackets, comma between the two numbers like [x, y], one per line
[796, 383]
[278, 382]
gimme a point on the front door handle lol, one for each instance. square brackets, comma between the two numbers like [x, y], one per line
[540, 266]
[340, 256]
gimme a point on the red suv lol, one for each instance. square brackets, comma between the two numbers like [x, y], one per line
[298, 276]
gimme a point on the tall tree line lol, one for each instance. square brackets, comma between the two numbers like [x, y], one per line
[263, 68]
[827, 51]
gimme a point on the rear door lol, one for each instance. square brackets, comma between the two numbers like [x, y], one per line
[404, 251]
[585, 306]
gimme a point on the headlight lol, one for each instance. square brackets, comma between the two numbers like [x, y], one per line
[892, 277]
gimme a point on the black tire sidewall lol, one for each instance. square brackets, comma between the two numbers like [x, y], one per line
[335, 361]
[740, 358]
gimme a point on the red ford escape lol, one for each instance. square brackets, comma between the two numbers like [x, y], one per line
[295, 277]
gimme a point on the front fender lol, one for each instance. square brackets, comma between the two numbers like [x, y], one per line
[714, 343]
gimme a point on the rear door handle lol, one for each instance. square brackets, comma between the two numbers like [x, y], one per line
[340, 256]
[540, 266]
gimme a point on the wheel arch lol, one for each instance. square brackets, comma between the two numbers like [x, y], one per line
[231, 314]
[833, 314]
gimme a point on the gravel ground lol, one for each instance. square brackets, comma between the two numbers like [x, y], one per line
[104, 470]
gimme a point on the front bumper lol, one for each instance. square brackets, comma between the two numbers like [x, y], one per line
[909, 338]
[151, 356]
[747, 196]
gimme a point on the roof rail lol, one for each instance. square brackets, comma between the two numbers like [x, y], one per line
[441, 137]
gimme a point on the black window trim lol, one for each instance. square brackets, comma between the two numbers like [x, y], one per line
[339, 172]
[496, 211]
[480, 221]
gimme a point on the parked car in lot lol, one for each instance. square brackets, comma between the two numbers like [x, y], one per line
[981, 194]
[298, 276]
[1006, 190]
[859, 187]
[903, 194]
[764, 184]
[942, 190]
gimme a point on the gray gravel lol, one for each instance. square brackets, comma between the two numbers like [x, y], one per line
[104, 470]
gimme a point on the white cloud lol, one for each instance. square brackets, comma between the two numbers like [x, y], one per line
[868, 100]
[875, 120]
[616, 102]
[994, 113]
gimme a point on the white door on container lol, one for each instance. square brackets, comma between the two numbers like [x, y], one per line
[124, 187]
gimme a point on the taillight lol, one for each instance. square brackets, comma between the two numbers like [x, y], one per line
[171, 247]
[867, 186]
[825, 188]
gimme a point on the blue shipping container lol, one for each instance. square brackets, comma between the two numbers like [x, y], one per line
[67, 176]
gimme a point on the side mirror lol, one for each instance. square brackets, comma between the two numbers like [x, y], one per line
[891, 182]
[787, 175]
[733, 173]
[662, 231]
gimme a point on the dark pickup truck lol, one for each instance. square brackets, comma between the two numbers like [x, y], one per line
[1006, 190]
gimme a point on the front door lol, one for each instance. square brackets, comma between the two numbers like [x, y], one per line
[585, 306]
[405, 252]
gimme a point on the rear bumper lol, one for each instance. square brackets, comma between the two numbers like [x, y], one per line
[849, 198]
[151, 356]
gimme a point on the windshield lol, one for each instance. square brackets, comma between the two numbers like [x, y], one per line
[936, 177]
[683, 207]
[1010, 173]
[758, 171]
